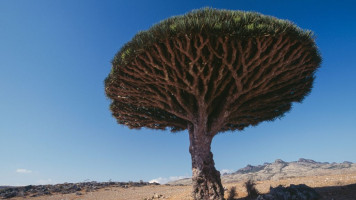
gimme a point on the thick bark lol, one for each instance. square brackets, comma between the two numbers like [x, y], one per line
[206, 179]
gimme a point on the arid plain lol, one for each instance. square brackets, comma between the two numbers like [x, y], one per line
[338, 187]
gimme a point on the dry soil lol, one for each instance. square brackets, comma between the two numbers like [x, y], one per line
[337, 187]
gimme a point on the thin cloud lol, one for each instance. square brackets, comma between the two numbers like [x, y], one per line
[23, 171]
[162, 180]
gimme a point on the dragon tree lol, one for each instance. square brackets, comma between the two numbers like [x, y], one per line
[211, 71]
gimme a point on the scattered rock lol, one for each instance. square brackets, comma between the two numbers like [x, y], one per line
[300, 192]
[65, 188]
[155, 196]
[10, 194]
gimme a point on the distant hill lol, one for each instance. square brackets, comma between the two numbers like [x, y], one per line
[280, 169]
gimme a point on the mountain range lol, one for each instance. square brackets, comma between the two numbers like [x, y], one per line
[280, 169]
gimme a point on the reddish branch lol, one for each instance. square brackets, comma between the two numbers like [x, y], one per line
[223, 83]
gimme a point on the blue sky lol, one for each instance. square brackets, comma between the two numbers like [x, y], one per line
[55, 123]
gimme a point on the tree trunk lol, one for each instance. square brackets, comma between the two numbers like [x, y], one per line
[206, 179]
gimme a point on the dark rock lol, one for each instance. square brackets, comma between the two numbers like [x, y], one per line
[65, 188]
[279, 161]
[303, 160]
[293, 192]
[28, 188]
[250, 169]
[10, 194]
[266, 163]
[347, 162]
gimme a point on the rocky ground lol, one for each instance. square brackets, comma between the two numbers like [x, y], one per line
[65, 188]
[332, 181]
[337, 187]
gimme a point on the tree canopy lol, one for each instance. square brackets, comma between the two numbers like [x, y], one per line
[226, 69]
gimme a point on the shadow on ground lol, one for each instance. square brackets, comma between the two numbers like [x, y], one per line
[346, 192]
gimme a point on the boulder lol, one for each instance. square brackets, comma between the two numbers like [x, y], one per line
[293, 192]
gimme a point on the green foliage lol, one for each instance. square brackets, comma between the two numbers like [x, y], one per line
[125, 54]
[173, 27]
[250, 26]
[210, 21]
[217, 26]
